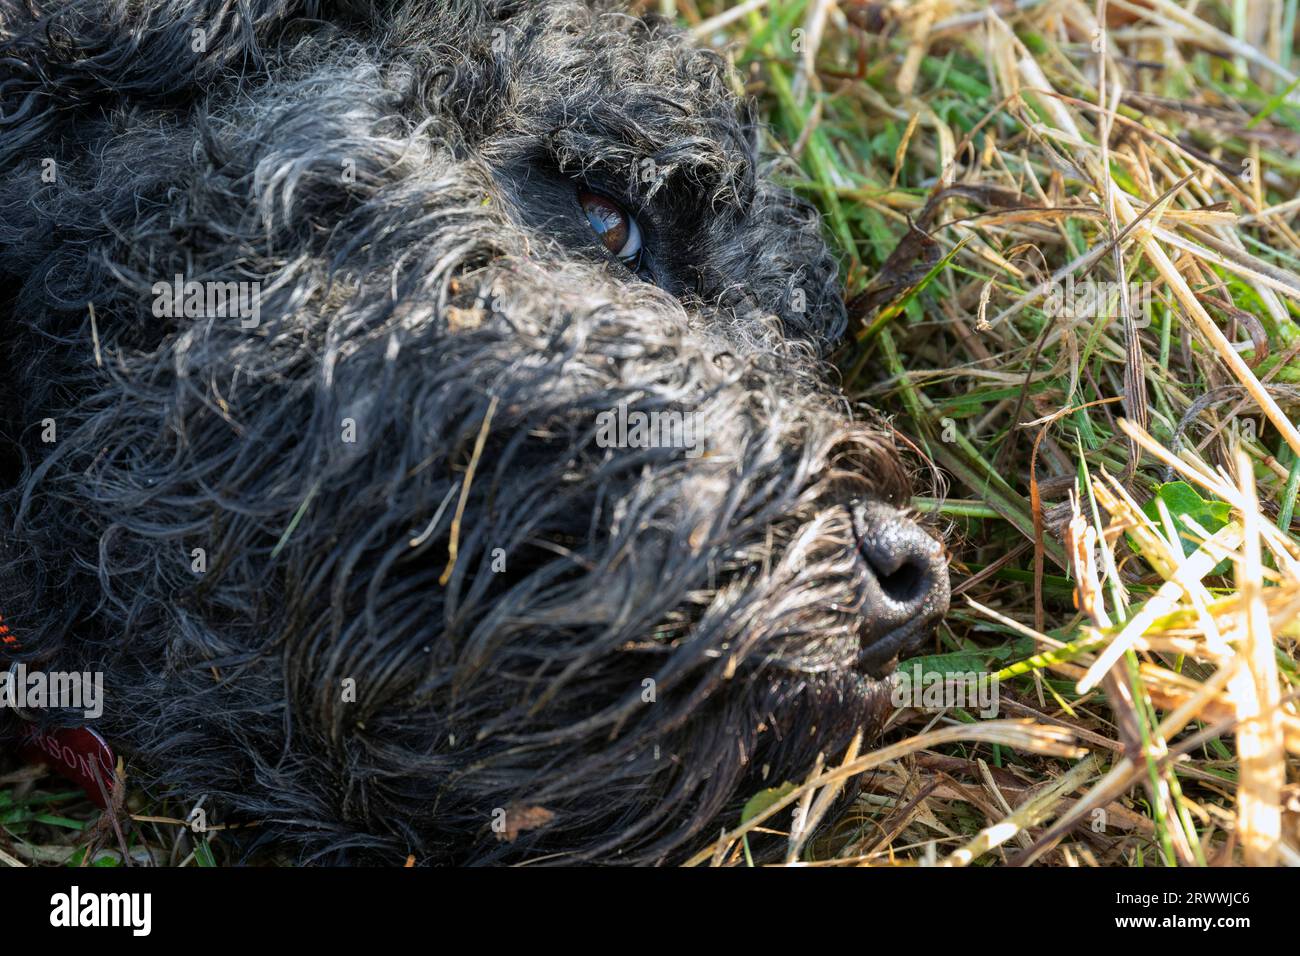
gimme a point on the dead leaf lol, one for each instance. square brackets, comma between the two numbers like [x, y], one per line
[519, 819]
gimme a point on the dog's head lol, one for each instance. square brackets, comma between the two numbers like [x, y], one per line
[520, 484]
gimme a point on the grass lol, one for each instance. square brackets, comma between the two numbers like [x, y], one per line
[1117, 479]
[1117, 482]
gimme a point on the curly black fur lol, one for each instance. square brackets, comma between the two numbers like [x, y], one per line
[400, 178]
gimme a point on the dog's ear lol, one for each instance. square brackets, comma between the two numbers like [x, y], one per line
[70, 56]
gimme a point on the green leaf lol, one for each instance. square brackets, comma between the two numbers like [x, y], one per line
[78, 859]
[1184, 502]
[764, 799]
[954, 663]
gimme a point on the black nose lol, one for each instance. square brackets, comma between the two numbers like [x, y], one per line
[904, 583]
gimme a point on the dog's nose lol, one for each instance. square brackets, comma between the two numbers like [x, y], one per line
[905, 583]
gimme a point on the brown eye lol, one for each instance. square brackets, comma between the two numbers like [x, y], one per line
[617, 231]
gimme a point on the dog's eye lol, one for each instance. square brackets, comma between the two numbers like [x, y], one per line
[615, 228]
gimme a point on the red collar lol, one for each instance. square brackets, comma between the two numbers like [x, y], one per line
[78, 754]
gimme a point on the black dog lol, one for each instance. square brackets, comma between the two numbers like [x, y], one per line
[418, 412]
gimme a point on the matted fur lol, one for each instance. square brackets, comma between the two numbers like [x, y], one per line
[444, 291]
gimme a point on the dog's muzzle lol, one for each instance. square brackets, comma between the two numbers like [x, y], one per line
[904, 585]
